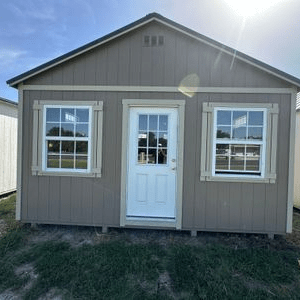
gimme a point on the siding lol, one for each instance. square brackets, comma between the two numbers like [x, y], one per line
[126, 61]
[297, 161]
[8, 147]
[211, 206]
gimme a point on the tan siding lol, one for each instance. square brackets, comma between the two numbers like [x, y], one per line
[138, 65]
[206, 205]
[297, 162]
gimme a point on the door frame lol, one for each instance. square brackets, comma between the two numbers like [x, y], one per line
[152, 103]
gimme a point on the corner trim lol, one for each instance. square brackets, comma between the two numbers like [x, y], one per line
[290, 202]
[19, 153]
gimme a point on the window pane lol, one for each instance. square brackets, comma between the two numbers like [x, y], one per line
[53, 147]
[143, 122]
[82, 115]
[52, 129]
[252, 157]
[81, 147]
[239, 133]
[142, 139]
[153, 122]
[255, 133]
[67, 147]
[152, 156]
[152, 139]
[68, 115]
[52, 161]
[162, 156]
[224, 117]
[67, 161]
[239, 119]
[163, 140]
[223, 132]
[82, 130]
[142, 156]
[52, 115]
[163, 122]
[222, 157]
[67, 129]
[81, 162]
[255, 118]
[237, 157]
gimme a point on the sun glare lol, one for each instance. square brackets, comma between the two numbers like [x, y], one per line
[249, 8]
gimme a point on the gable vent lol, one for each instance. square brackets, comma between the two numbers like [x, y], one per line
[153, 40]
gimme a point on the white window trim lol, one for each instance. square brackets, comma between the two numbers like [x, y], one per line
[95, 143]
[45, 138]
[207, 143]
[246, 142]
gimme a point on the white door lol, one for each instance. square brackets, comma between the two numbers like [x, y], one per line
[152, 159]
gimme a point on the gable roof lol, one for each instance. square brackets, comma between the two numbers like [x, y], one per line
[169, 23]
[6, 101]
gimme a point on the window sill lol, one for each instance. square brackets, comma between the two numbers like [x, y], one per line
[69, 174]
[237, 179]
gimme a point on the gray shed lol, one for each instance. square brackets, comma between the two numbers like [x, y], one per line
[8, 146]
[157, 126]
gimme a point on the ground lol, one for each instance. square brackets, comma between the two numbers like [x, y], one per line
[78, 237]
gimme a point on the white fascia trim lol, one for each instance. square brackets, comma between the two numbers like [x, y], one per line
[290, 202]
[167, 89]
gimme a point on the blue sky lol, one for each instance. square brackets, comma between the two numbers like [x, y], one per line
[34, 31]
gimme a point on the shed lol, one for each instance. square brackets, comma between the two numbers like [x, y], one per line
[157, 126]
[8, 146]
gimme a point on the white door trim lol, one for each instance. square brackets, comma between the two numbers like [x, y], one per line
[180, 105]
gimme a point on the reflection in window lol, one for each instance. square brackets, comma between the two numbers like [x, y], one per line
[152, 139]
[67, 137]
[239, 141]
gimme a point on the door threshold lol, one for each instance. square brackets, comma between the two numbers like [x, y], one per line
[153, 222]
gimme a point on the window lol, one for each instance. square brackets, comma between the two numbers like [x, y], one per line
[153, 139]
[67, 132]
[67, 138]
[239, 142]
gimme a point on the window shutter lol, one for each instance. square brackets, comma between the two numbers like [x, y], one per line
[97, 139]
[271, 151]
[206, 140]
[36, 164]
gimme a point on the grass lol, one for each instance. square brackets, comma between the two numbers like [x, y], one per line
[120, 270]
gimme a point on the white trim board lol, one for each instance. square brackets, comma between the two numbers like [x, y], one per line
[167, 89]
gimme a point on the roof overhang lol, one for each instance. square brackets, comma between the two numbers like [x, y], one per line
[13, 82]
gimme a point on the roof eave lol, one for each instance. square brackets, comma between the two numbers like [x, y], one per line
[13, 82]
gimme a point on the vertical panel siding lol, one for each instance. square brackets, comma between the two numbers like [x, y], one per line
[8, 147]
[206, 205]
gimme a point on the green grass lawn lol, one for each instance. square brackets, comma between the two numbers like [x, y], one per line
[122, 270]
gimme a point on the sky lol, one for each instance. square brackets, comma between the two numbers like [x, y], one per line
[33, 32]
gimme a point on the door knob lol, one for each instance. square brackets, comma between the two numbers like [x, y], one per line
[174, 168]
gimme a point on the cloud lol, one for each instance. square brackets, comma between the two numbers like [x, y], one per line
[33, 9]
[8, 56]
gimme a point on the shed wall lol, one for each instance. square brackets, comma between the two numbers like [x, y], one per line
[297, 162]
[8, 148]
[212, 206]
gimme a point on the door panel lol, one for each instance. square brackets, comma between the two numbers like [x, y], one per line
[152, 157]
